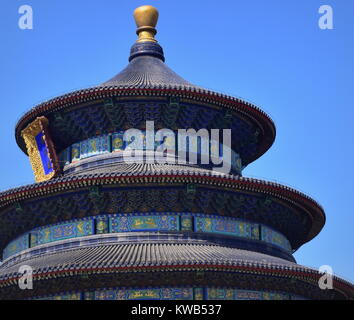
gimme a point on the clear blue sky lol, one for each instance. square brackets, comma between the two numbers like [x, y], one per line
[270, 52]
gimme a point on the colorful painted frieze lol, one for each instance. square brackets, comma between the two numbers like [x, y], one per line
[105, 224]
[62, 231]
[274, 237]
[114, 142]
[75, 152]
[17, 245]
[94, 146]
[186, 223]
[68, 296]
[225, 226]
[102, 224]
[220, 294]
[126, 223]
[118, 143]
[235, 294]
[274, 296]
[198, 293]
[105, 295]
[145, 294]
[248, 295]
[89, 295]
[177, 294]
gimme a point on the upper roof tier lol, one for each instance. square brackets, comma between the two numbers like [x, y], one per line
[148, 83]
[147, 67]
[148, 70]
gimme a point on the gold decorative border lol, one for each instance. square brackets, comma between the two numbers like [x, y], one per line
[29, 136]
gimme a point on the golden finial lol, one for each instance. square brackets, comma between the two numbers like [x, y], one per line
[146, 20]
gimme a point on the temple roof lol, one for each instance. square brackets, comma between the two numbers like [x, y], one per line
[146, 70]
[148, 76]
[162, 257]
[146, 254]
[155, 175]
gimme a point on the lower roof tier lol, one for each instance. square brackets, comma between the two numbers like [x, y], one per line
[131, 188]
[164, 264]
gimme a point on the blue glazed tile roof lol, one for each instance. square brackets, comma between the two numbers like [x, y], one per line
[146, 254]
[142, 257]
[148, 75]
[148, 72]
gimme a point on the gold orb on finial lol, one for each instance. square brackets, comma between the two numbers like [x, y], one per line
[146, 20]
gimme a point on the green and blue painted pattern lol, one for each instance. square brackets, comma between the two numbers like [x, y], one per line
[234, 294]
[114, 143]
[144, 223]
[17, 245]
[145, 294]
[271, 236]
[66, 296]
[80, 228]
[174, 294]
[117, 223]
[227, 226]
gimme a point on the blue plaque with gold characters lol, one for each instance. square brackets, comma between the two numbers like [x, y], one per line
[40, 149]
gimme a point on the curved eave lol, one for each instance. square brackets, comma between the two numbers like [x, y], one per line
[250, 111]
[191, 258]
[312, 276]
[65, 184]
